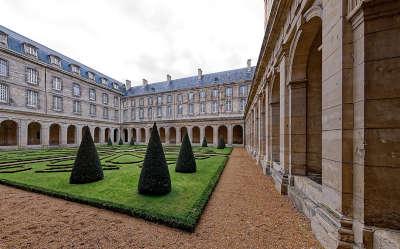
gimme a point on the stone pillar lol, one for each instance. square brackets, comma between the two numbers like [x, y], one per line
[63, 134]
[166, 129]
[78, 134]
[101, 135]
[129, 134]
[91, 128]
[267, 128]
[259, 131]
[148, 134]
[202, 133]
[44, 133]
[138, 135]
[215, 135]
[178, 135]
[22, 133]
[190, 133]
[229, 133]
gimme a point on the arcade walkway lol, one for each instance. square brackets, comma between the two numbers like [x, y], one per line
[245, 211]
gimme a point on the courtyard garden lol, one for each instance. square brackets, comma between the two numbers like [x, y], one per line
[48, 171]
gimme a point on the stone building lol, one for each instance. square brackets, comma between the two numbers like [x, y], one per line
[46, 98]
[323, 116]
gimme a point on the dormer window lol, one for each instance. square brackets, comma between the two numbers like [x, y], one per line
[30, 50]
[55, 60]
[104, 81]
[115, 86]
[3, 39]
[75, 69]
[91, 76]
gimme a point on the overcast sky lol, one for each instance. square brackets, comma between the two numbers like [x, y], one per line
[135, 39]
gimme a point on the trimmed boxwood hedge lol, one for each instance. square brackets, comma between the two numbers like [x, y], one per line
[186, 162]
[204, 143]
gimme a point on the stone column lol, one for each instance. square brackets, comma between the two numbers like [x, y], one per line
[166, 135]
[63, 134]
[178, 135]
[44, 133]
[259, 131]
[101, 135]
[129, 134]
[215, 135]
[138, 136]
[190, 133]
[229, 134]
[22, 133]
[202, 133]
[78, 134]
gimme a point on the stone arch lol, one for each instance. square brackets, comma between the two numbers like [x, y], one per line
[134, 134]
[196, 135]
[142, 135]
[96, 135]
[306, 73]
[209, 134]
[183, 132]
[34, 133]
[274, 106]
[126, 137]
[162, 134]
[223, 132]
[237, 134]
[54, 134]
[172, 135]
[71, 134]
[8, 133]
[107, 134]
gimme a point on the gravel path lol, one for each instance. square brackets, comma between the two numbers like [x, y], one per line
[245, 211]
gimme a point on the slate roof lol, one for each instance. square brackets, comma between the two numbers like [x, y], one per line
[237, 75]
[16, 44]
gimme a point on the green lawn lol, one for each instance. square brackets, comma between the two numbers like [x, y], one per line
[118, 191]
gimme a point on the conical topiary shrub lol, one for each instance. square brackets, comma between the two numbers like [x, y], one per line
[87, 167]
[120, 141]
[221, 143]
[109, 143]
[204, 143]
[186, 162]
[132, 142]
[154, 177]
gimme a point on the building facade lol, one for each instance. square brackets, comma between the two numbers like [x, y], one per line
[46, 98]
[323, 116]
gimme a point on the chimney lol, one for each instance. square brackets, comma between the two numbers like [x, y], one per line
[169, 78]
[199, 74]
[128, 84]
[249, 65]
[145, 82]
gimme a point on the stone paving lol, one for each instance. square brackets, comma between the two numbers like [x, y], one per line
[245, 211]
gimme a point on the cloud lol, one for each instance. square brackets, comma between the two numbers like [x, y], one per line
[138, 39]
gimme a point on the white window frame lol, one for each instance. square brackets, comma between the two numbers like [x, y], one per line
[125, 115]
[32, 98]
[105, 113]
[57, 103]
[169, 99]
[91, 76]
[4, 93]
[116, 101]
[150, 113]
[76, 90]
[92, 94]
[30, 50]
[202, 94]
[242, 90]
[228, 92]
[169, 111]
[228, 105]
[92, 109]
[3, 68]
[3, 39]
[56, 83]
[75, 69]
[191, 108]
[116, 115]
[203, 107]
[180, 109]
[76, 106]
[214, 107]
[159, 111]
[32, 76]
[159, 100]
[55, 60]
[105, 98]
[104, 81]
[215, 93]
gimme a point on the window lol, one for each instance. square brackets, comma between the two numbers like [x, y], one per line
[202, 107]
[214, 106]
[141, 113]
[76, 106]
[103, 81]
[92, 110]
[159, 111]
[215, 93]
[159, 100]
[30, 50]
[125, 115]
[115, 86]
[105, 98]
[141, 102]
[57, 103]
[133, 114]
[169, 98]
[191, 108]
[228, 92]
[202, 94]
[133, 102]
[180, 99]
[242, 104]
[3, 93]
[75, 69]
[3, 39]
[57, 84]
[180, 109]
[76, 90]
[150, 101]
[91, 76]
[32, 98]
[124, 103]
[92, 94]
[105, 112]
[169, 111]
[191, 97]
[3, 68]
[242, 91]
[32, 76]
[116, 101]
[116, 115]
[55, 60]
[150, 113]
[228, 105]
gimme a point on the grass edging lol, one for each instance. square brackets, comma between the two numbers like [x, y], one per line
[187, 224]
